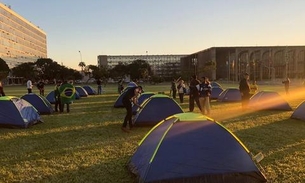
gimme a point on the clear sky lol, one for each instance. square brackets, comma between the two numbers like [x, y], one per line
[83, 29]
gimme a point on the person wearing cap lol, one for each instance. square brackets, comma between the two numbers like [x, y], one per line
[130, 96]
[194, 93]
[244, 88]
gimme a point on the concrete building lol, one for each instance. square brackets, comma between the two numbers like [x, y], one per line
[261, 62]
[162, 65]
[20, 40]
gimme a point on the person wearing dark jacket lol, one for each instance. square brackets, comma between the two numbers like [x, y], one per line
[205, 91]
[129, 98]
[194, 93]
[40, 86]
[244, 88]
[99, 86]
[57, 97]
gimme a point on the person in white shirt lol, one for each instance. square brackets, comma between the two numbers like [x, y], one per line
[181, 90]
[29, 86]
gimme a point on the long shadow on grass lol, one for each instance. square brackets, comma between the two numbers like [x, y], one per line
[109, 171]
[81, 143]
[276, 139]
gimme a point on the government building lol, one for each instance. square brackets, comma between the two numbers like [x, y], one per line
[20, 40]
[260, 62]
[165, 66]
[224, 63]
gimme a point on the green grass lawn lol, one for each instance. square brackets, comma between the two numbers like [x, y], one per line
[87, 144]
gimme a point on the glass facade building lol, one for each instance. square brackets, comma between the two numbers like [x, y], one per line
[20, 40]
[161, 65]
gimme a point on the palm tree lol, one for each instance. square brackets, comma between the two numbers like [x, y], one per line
[82, 65]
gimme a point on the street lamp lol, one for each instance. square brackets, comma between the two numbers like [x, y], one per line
[80, 54]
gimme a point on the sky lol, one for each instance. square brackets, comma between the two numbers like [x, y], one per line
[80, 30]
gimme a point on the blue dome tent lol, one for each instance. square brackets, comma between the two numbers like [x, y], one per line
[189, 147]
[81, 91]
[141, 99]
[89, 90]
[269, 100]
[214, 84]
[118, 102]
[50, 97]
[42, 105]
[299, 112]
[230, 95]
[155, 109]
[215, 93]
[17, 113]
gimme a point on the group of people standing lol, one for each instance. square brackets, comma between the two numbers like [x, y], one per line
[199, 93]
[40, 86]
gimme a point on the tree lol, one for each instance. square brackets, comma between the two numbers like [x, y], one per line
[119, 71]
[139, 69]
[47, 68]
[4, 69]
[82, 65]
[98, 72]
[26, 70]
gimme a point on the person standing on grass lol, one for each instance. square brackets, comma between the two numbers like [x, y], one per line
[1, 90]
[244, 88]
[181, 90]
[29, 86]
[57, 97]
[67, 95]
[194, 93]
[286, 83]
[120, 86]
[40, 86]
[205, 90]
[174, 88]
[130, 97]
[99, 86]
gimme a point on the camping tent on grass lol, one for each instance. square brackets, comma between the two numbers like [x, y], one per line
[51, 98]
[42, 105]
[89, 90]
[119, 101]
[17, 113]
[214, 84]
[230, 95]
[189, 147]
[81, 91]
[155, 109]
[299, 112]
[269, 100]
[215, 93]
[141, 99]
